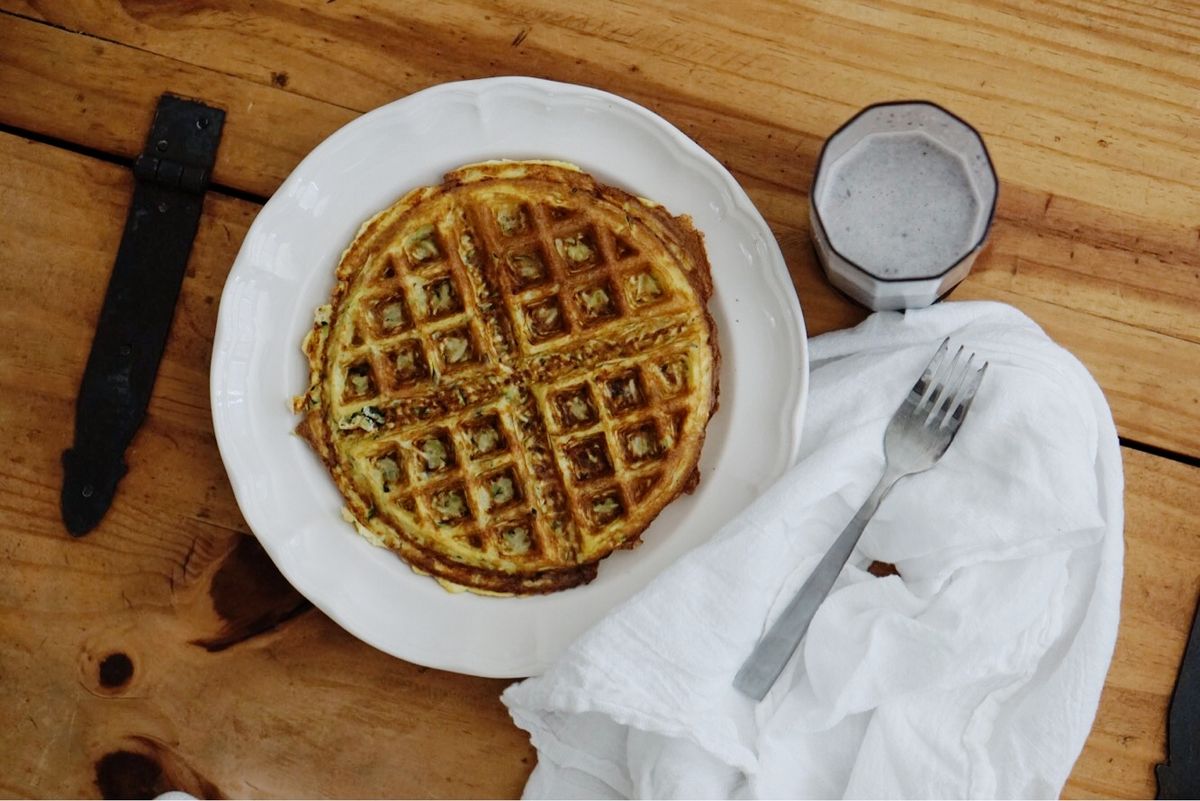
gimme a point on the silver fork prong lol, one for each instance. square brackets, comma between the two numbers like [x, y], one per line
[937, 383]
[940, 384]
[968, 394]
[937, 409]
[953, 395]
[919, 389]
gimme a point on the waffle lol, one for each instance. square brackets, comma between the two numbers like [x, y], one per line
[514, 375]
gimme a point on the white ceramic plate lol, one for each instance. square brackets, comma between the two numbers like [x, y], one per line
[285, 269]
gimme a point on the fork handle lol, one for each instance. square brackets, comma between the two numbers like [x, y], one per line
[760, 670]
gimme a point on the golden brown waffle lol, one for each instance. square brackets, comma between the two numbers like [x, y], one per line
[514, 374]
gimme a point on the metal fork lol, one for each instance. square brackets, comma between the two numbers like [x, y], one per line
[917, 436]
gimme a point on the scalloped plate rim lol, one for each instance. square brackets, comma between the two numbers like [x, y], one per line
[227, 336]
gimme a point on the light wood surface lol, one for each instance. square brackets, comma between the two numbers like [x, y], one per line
[1086, 240]
[1090, 113]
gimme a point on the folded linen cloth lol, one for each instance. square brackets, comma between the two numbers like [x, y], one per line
[974, 673]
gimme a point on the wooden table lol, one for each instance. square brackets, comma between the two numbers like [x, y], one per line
[164, 650]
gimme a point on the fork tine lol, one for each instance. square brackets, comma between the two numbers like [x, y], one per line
[945, 371]
[921, 388]
[935, 384]
[954, 387]
[966, 396]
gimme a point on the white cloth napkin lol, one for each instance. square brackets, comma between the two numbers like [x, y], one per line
[975, 673]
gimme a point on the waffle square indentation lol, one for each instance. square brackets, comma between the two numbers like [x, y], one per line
[643, 288]
[435, 453]
[624, 392]
[422, 245]
[597, 302]
[456, 348]
[578, 250]
[589, 459]
[408, 361]
[486, 436]
[605, 507]
[511, 218]
[527, 268]
[546, 319]
[450, 505]
[502, 488]
[641, 443]
[575, 407]
[360, 381]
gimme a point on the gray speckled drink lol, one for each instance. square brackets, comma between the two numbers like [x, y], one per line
[900, 205]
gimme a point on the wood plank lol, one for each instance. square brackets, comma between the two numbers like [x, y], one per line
[1162, 586]
[172, 580]
[101, 95]
[1145, 376]
[1084, 240]
[755, 56]
[292, 705]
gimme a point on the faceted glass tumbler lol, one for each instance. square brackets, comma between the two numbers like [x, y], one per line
[902, 201]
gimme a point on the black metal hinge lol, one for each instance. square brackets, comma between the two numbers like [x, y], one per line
[172, 175]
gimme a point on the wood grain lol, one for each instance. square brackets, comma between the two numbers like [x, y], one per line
[231, 684]
[102, 95]
[1162, 586]
[173, 581]
[1085, 241]
[238, 687]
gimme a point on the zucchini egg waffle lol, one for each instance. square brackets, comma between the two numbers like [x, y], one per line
[514, 374]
